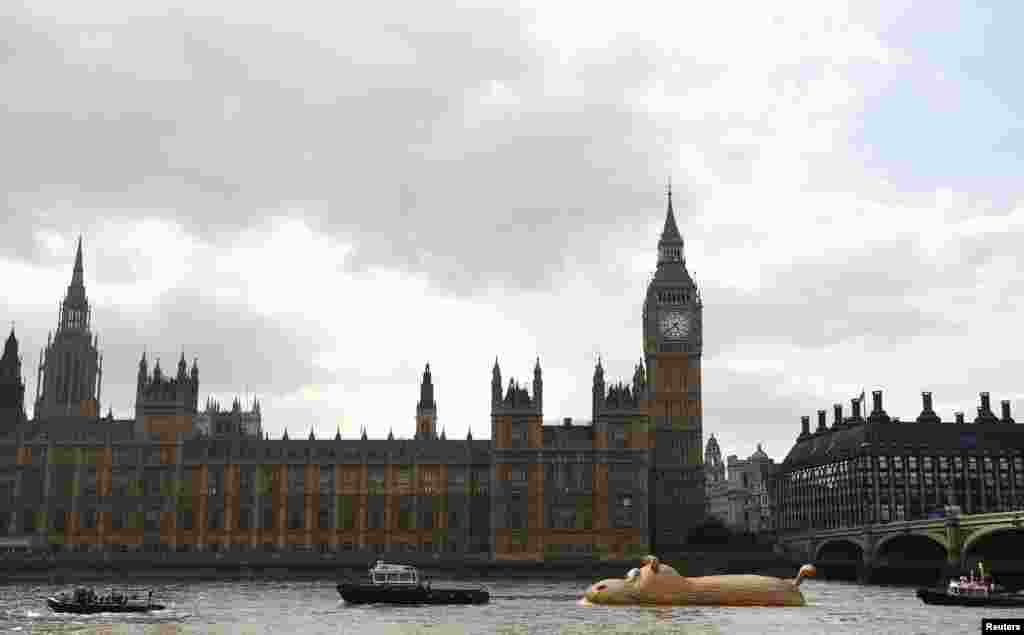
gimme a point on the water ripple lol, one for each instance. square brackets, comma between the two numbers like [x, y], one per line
[516, 608]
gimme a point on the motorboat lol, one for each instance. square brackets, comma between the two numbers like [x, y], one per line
[403, 584]
[972, 590]
[87, 601]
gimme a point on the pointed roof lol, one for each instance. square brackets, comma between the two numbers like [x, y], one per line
[391, 435]
[76, 275]
[442, 434]
[285, 437]
[311, 436]
[11, 346]
[670, 234]
[337, 435]
[469, 434]
[712, 443]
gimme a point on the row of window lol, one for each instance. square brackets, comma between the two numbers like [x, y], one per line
[340, 518]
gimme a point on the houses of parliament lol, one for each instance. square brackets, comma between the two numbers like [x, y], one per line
[175, 478]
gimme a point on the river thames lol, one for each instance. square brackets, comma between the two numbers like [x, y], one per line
[516, 607]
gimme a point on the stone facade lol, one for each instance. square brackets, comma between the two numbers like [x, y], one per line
[629, 482]
[737, 489]
[862, 472]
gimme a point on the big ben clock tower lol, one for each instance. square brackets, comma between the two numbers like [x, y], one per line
[672, 349]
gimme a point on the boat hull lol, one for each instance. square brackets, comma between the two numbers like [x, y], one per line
[940, 597]
[377, 594]
[58, 606]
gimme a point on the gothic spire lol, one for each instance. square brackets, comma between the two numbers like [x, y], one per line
[671, 231]
[11, 346]
[76, 276]
[670, 246]
[426, 391]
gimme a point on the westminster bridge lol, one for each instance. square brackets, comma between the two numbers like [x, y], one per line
[915, 548]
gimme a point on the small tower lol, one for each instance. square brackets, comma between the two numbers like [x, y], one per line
[12, 385]
[69, 373]
[714, 468]
[495, 384]
[597, 398]
[538, 386]
[426, 409]
[166, 406]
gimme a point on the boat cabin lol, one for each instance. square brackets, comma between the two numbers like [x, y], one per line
[972, 587]
[394, 574]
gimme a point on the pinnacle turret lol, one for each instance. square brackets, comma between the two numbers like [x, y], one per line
[74, 310]
[11, 346]
[77, 276]
[670, 246]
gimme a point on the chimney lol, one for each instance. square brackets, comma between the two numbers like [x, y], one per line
[1006, 411]
[821, 422]
[855, 405]
[959, 417]
[877, 413]
[838, 409]
[985, 414]
[805, 427]
[927, 414]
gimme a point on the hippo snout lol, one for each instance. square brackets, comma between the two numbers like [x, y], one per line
[606, 592]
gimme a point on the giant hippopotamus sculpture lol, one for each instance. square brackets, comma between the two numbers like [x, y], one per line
[658, 584]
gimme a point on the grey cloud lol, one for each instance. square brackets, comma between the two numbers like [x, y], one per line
[839, 297]
[342, 130]
[753, 406]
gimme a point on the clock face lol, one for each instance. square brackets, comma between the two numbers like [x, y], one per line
[675, 325]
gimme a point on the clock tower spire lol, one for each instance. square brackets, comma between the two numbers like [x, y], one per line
[670, 247]
[672, 326]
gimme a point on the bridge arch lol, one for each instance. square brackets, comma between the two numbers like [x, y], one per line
[840, 541]
[977, 536]
[880, 546]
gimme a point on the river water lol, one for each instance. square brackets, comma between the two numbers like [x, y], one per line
[517, 607]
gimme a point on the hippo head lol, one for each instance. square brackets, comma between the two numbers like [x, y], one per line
[623, 590]
[612, 591]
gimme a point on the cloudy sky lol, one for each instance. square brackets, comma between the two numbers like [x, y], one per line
[316, 201]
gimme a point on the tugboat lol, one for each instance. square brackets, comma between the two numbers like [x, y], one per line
[971, 590]
[86, 601]
[402, 584]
